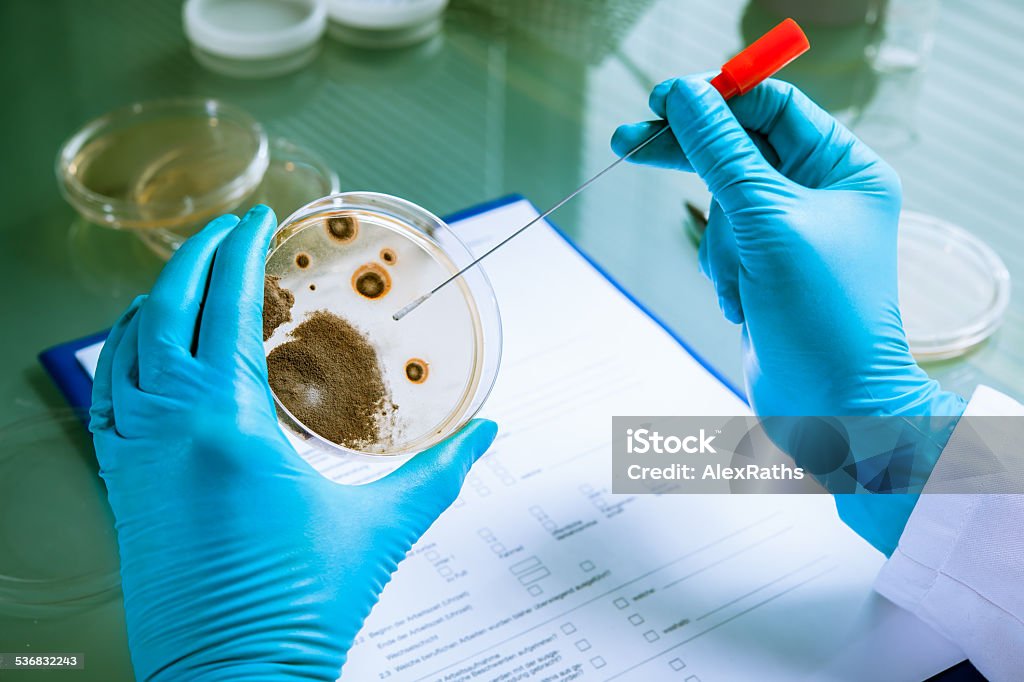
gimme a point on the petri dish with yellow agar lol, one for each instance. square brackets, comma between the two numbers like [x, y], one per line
[164, 169]
[163, 164]
[954, 289]
[346, 377]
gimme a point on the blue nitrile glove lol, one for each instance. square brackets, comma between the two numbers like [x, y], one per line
[238, 560]
[801, 248]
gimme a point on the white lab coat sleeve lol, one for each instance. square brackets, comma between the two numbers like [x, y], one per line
[959, 565]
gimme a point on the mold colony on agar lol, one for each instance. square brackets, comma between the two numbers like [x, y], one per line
[328, 373]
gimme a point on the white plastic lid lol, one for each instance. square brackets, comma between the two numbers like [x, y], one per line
[254, 29]
[384, 14]
[954, 289]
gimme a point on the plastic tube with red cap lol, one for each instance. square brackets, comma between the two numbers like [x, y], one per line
[760, 60]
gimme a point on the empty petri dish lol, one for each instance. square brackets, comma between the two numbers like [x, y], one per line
[163, 164]
[58, 546]
[954, 289]
[346, 377]
[254, 38]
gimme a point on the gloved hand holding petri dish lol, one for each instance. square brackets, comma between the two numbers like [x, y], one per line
[345, 376]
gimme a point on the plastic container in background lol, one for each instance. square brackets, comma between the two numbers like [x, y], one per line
[954, 289]
[455, 337]
[254, 38]
[384, 25]
[165, 168]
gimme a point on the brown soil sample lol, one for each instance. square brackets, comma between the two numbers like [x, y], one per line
[302, 260]
[277, 305]
[330, 379]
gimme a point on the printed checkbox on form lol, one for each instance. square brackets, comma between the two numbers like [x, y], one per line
[583, 645]
[597, 662]
[651, 636]
[636, 619]
[568, 628]
[620, 603]
[677, 664]
[587, 565]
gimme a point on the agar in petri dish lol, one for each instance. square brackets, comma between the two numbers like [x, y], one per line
[163, 164]
[165, 168]
[346, 377]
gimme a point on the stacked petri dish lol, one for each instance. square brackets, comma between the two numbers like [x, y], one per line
[165, 168]
[254, 38]
[384, 25]
[343, 265]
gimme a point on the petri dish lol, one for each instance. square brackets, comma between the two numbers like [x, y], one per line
[293, 177]
[163, 164]
[384, 25]
[254, 38]
[58, 545]
[954, 289]
[437, 365]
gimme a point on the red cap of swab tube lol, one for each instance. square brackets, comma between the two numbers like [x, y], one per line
[761, 59]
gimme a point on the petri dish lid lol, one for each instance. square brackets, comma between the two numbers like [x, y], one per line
[58, 545]
[254, 29]
[954, 289]
[294, 176]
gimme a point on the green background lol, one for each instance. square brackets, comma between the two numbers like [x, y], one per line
[517, 96]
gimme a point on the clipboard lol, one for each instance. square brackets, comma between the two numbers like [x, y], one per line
[514, 478]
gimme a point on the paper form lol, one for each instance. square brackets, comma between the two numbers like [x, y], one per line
[538, 572]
